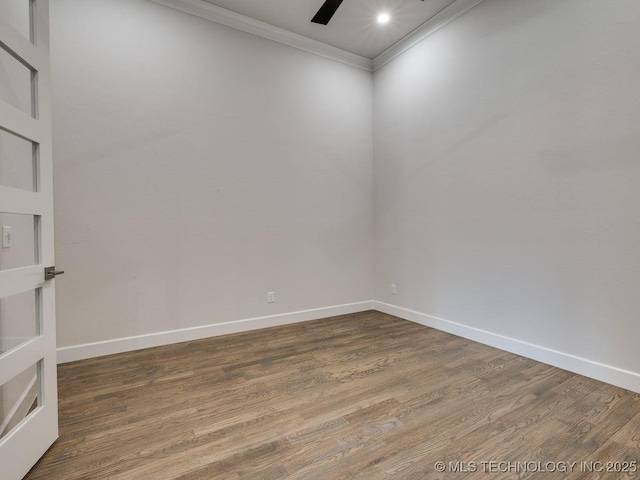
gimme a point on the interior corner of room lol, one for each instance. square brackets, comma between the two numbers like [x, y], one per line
[215, 173]
[492, 180]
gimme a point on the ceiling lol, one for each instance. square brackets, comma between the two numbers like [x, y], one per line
[353, 27]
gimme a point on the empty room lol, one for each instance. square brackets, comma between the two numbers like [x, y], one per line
[319, 239]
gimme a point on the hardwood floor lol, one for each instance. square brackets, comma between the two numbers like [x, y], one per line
[364, 396]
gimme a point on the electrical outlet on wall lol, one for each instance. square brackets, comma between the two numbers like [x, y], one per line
[271, 297]
[394, 290]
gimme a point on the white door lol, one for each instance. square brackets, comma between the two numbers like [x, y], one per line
[28, 396]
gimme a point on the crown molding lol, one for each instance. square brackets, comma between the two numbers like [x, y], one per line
[217, 14]
[214, 13]
[431, 26]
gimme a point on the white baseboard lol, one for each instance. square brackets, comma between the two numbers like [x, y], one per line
[583, 366]
[120, 345]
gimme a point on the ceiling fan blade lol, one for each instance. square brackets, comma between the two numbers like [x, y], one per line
[326, 11]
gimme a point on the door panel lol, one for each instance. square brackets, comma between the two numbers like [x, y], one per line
[28, 394]
[19, 397]
[21, 232]
[18, 15]
[19, 320]
[16, 83]
[18, 162]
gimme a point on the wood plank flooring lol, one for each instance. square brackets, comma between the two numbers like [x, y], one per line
[364, 396]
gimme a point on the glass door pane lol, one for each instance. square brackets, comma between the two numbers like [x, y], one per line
[19, 319]
[16, 83]
[17, 13]
[18, 162]
[19, 240]
[19, 397]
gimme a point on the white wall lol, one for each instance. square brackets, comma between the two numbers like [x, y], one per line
[507, 168]
[198, 167]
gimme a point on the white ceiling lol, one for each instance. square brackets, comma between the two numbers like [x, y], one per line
[352, 28]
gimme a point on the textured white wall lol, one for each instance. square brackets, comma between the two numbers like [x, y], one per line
[507, 165]
[198, 167]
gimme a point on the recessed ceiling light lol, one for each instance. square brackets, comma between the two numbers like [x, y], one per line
[383, 18]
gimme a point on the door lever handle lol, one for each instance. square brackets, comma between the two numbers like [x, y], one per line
[51, 272]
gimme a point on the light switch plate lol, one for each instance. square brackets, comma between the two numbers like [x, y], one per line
[6, 237]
